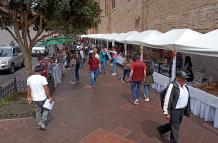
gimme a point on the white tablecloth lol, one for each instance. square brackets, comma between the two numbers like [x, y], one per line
[120, 60]
[203, 104]
[57, 72]
[160, 81]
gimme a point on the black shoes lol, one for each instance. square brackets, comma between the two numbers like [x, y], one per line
[160, 133]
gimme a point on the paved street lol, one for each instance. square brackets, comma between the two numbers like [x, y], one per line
[102, 115]
[20, 72]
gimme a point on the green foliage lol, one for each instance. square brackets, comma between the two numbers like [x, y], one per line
[14, 97]
[63, 16]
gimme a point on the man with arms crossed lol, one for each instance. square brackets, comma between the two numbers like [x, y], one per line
[38, 92]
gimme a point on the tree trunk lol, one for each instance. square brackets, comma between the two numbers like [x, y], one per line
[28, 63]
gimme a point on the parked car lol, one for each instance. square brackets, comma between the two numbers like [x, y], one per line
[38, 49]
[10, 58]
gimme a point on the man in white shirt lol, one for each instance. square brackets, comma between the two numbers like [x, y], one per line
[176, 104]
[38, 92]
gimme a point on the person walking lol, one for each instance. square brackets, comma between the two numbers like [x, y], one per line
[175, 104]
[114, 62]
[103, 54]
[78, 64]
[73, 67]
[38, 92]
[94, 67]
[126, 69]
[68, 58]
[147, 83]
[137, 75]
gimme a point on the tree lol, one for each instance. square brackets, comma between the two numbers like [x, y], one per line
[56, 16]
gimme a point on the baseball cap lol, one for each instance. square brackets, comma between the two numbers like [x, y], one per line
[38, 68]
[181, 74]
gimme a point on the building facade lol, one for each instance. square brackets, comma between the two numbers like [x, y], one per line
[163, 15]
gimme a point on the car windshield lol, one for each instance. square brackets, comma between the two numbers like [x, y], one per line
[5, 52]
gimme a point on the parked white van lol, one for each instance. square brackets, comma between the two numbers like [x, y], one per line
[38, 49]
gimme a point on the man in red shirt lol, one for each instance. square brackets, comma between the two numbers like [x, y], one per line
[137, 75]
[94, 67]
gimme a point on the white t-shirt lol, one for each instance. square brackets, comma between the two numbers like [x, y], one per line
[36, 83]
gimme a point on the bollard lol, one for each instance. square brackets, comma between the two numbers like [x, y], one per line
[15, 85]
[1, 93]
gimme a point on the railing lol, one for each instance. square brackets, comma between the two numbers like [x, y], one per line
[11, 86]
[18, 85]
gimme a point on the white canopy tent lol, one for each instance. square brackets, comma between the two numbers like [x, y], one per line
[130, 36]
[171, 38]
[206, 44]
[110, 37]
[139, 39]
[121, 37]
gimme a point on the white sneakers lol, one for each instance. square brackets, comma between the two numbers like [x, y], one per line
[136, 102]
[73, 82]
[147, 99]
[41, 126]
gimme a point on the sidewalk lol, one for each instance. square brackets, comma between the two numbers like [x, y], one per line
[102, 115]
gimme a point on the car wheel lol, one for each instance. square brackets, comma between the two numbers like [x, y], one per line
[12, 69]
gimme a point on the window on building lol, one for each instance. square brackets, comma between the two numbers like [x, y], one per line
[113, 4]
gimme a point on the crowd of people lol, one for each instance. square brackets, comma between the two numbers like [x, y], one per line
[175, 100]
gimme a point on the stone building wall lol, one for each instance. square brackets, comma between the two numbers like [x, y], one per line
[162, 15]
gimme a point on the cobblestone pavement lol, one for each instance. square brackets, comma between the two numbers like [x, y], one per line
[102, 115]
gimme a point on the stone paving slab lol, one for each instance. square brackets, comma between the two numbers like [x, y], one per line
[102, 115]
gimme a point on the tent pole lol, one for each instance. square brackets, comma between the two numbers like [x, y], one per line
[107, 44]
[173, 74]
[141, 52]
[125, 49]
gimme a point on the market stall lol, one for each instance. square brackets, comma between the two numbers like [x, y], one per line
[180, 43]
[204, 89]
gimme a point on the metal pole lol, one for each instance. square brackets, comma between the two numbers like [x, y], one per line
[141, 52]
[107, 44]
[125, 49]
[173, 75]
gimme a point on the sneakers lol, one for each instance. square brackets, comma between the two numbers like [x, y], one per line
[147, 99]
[73, 82]
[41, 126]
[160, 133]
[121, 80]
[136, 102]
[114, 74]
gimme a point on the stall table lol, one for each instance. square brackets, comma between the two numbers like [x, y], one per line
[120, 60]
[203, 104]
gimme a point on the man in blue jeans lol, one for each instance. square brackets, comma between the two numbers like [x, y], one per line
[137, 75]
[94, 67]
